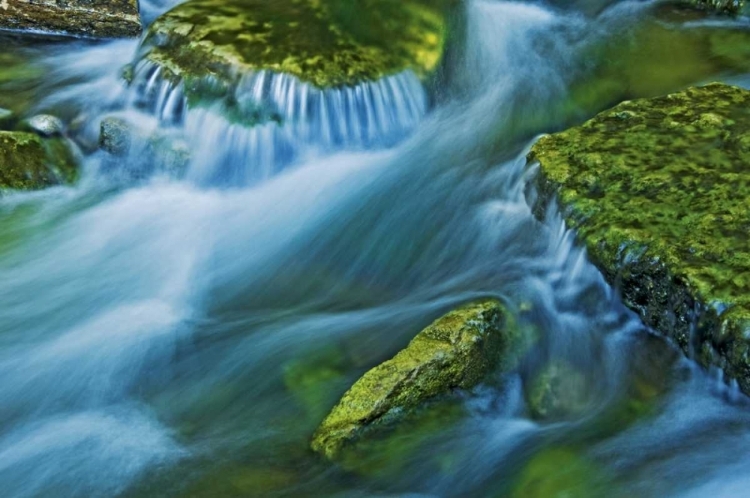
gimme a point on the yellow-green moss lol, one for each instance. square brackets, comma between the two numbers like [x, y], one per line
[659, 191]
[29, 162]
[324, 42]
[455, 351]
[561, 473]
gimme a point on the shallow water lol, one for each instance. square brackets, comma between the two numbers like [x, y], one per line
[162, 334]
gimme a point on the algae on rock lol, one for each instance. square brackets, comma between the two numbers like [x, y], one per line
[455, 351]
[95, 18]
[659, 191]
[29, 162]
[722, 6]
[327, 43]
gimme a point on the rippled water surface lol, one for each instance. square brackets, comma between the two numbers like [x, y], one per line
[183, 335]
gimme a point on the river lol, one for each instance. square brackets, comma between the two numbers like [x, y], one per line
[152, 328]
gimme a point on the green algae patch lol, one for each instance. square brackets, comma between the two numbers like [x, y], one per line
[659, 192]
[314, 381]
[561, 473]
[455, 351]
[29, 162]
[324, 42]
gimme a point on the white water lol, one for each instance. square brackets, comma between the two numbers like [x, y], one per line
[298, 120]
[144, 331]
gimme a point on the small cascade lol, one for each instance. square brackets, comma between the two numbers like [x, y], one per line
[267, 120]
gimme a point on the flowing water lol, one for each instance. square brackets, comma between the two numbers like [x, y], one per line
[181, 332]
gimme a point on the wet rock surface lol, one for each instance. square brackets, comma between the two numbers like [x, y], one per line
[722, 6]
[115, 136]
[455, 351]
[324, 43]
[93, 18]
[29, 162]
[659, 192]
[45, 125]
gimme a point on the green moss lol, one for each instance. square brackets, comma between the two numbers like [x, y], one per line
[238, 480]
[29, 162]
[659, 191]
[561, 473]
[314, 381]
[327, 43]
[455, 351]
[417, 438]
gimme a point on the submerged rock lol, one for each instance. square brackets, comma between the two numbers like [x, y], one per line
[455, 351]
[30, 162]
[659, 192]
[558, 391]
[96, 18]
[115, 136]
[45, 125]
[561, 473]
[327, 44]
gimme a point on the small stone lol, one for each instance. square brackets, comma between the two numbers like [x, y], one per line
[115, 136]
[127, 73]
[46, 125]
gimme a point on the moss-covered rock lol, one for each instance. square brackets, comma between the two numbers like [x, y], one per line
[659, 192]
[29, 162]
[96, 18]
[455, 351]
[323, 42]
[722, 6]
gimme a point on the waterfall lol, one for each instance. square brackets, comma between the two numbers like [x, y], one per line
[267, 121]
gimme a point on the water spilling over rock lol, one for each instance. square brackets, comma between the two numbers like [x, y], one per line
[326, 82]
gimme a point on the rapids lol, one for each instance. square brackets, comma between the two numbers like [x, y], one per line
[151, 324]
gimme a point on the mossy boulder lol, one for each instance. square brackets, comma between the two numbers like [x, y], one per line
[455, 351]
[327, 43]
[722, 6]
[29, 162]
[94, 18]
[659, 193]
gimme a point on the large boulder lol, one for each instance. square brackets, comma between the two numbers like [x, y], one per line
[326, 43]
[455, 351]
[28, 161]
[659, 193]
[94, 18]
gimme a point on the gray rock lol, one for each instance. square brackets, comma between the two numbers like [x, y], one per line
[45, 125]
[116, 136]
[94, 18]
